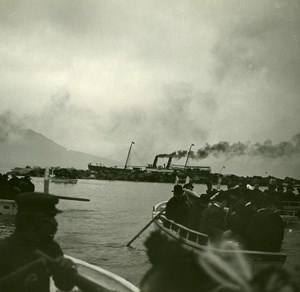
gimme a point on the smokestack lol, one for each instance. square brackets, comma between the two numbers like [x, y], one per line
[169, 162]
[155, 161]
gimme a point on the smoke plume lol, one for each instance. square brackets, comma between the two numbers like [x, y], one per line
[266, 149]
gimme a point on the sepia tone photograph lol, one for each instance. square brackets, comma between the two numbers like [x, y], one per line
[149, 146]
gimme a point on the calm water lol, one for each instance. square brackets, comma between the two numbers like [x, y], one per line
[97, 231]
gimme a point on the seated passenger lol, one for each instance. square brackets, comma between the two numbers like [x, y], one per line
[195, 212]
[265, 231]
[210, 190]
[177, 207]
[212, 221]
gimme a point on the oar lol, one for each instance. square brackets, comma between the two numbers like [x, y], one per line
[73, 198]
[6, 281]
[145, 227]
[83, 283]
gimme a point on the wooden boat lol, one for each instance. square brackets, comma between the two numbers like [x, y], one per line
[199, 242]
[64, 180]
[291, 206]
[8, 207]
[289, 217]
[105, 280]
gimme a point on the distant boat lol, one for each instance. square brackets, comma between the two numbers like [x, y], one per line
[291, 206]
[198, 242]
[64, 180]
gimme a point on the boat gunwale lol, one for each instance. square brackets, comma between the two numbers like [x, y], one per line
[120, 281]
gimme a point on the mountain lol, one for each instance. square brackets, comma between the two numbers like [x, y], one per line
[21, 147]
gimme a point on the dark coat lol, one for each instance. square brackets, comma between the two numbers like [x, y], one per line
[212, 223]
[195, 213]
[177, 210]
[265, 232]
[15, 253]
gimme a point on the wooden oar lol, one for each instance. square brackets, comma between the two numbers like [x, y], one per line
[83, 283]
[145, 227]
[6, 281]
[73, 198]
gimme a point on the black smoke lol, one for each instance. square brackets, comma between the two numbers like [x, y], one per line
[266, 149]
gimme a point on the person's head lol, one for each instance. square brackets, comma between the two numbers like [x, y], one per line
[35, 217]
[279, 188]
[222, 198]
[270, 202]
[177, 191]
[174, 269]
[188, 186]
[204, 199]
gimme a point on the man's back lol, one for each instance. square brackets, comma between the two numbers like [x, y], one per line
[212, 223]
[265, 231]
[16, 252]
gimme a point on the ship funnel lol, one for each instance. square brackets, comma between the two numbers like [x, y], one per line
[169, 162]
[155, 161]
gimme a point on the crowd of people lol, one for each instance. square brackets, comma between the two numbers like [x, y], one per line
[244, 214]
[11, 187]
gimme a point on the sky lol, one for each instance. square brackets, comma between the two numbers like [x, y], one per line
[95, 75]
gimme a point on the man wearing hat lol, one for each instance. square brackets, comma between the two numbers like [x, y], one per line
[212, 220]
[35, 227]
[177, 207]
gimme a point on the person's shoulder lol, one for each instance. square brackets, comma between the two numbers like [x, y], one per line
[52, 248]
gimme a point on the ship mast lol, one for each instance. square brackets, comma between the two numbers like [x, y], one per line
[128, 155]
[188, 155]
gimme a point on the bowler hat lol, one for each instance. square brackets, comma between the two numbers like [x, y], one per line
[177, 188]
[34, 202]
[222, 195]
[188, 186]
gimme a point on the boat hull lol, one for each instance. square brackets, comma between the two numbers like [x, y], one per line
[198, 242]
[64, 180]
[106, 280]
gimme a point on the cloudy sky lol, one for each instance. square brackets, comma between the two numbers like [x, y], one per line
[94, 75]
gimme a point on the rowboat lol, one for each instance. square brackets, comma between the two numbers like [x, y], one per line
[289, 217]
[199, 242]
[291, 206]
[64, 180]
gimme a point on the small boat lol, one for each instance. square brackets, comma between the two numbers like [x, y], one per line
[291, 206]
[64, 180]
[289, 217]
[101, 278]
[8, 207]
[199, 242]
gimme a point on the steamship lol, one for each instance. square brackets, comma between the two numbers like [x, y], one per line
[150, 168]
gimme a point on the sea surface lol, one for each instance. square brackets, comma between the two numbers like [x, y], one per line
[98, 231]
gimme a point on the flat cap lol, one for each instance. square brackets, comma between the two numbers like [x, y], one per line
[34, 202]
